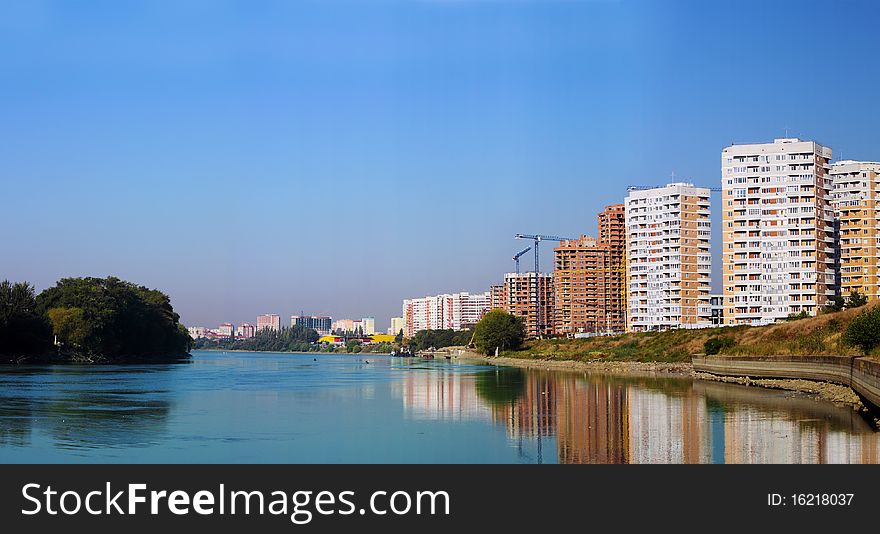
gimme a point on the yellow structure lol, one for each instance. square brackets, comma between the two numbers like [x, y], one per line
[382, 338]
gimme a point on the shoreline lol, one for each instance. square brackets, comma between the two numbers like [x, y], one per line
[836, 394]
[291, 351]
[607, 367]
[816, 389]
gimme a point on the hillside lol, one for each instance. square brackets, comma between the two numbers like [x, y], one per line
[812, 336]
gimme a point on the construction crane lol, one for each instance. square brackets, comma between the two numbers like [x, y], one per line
[537, 238]
[518, 255]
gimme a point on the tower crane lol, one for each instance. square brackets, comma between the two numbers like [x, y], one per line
[518, 255]
[537, 238]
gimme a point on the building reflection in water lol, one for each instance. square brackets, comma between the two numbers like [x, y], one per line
[441, 395]
[611, 420]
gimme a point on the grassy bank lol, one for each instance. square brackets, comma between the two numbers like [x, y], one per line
[811, 336]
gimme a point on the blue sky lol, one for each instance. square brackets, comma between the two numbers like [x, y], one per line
[336, 157]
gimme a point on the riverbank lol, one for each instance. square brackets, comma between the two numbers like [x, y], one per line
[596, 366]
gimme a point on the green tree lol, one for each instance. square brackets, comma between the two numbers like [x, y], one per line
[399, 337]
[856, 300]
[23, 330]
[69, 326]
[124, 321]
[864, 330]
[501, 330]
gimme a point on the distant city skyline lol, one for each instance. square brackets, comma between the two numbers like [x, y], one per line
[335, 158]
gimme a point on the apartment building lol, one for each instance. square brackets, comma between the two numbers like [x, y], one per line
[456, 311]
[855, 190]
[226, 330]
[320, 323]
[245, 331]
[588, 278]
[778, 249]
[668, 261]
[269, 321]
[530, 296]
[496, 297]
[397, 324]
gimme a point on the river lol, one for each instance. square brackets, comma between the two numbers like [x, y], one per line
[241, 407]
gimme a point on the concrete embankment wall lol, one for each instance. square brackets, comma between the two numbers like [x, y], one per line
[861, 374]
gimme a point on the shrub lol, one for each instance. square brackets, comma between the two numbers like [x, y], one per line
[715, 345]
[856, 300]
[864, 330]
[835, 304]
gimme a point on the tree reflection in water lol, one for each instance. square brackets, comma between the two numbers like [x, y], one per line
[83, 406]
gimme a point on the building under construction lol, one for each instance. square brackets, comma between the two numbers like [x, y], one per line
[588, 278]
[530, 296]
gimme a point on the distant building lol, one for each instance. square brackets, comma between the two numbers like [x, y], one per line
[496, 297]
[369, 324]
[245, 331]
[321, 323]
[343, 325]
[196, 332]
[397, 324]
[226, 330]
[365, 326]
[269, 321]
[457, 311]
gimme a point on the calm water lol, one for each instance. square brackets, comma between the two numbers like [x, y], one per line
[288, 408]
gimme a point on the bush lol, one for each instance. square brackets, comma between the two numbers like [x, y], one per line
[835, 304]
[715, 345]
[864, 330]
[856, 300]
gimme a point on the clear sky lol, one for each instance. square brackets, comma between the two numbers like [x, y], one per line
[336, 157]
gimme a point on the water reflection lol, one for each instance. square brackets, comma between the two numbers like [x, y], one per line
[580, 418]
[81, 407]
[259, 407]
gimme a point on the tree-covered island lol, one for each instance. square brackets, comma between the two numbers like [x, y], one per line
[89, 320]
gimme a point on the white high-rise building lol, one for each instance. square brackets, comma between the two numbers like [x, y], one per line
[778, 230]
[457, 311]
[270, 321]
[369, 325]
[397, 324]
[668, 261]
